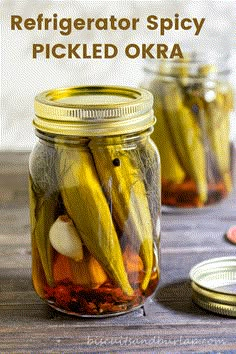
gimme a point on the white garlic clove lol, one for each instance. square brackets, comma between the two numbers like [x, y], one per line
[65, 239]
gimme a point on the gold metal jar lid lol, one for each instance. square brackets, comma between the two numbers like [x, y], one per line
[94, 110]
[214, 285]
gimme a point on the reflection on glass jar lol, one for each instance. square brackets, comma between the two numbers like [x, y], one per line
[192, 102]
[95, 201]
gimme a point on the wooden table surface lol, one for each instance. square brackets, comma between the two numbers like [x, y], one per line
[170, 323]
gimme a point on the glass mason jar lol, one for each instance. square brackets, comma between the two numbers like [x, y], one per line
[193, 101]
[95, 200]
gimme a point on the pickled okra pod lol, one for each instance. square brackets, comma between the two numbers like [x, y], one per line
[162, 137]
[217, 109]
[83, 196]
[41, 209]
[44, 204]
[218, 124]
[123, 186]
[197, 104]
[187, 139]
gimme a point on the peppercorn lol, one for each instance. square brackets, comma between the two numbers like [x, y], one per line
[116, 162]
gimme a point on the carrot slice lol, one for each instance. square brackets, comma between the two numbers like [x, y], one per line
[132, 261]
[61, 268]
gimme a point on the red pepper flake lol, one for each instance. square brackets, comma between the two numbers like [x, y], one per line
[231, 234]
[87, 302]
[84, 301]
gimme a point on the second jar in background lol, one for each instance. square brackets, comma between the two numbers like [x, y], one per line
[192, 102]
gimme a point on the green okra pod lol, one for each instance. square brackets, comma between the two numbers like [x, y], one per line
[218, 123]
[171, 169]
[45, 213]
[187, 137]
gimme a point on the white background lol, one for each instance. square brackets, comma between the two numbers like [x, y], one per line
[23, 77]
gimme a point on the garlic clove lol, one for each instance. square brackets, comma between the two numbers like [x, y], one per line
[65, 239]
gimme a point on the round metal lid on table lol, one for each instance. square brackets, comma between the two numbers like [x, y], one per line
[214, 285]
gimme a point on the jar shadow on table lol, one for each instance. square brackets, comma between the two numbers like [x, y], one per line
[176, 296]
